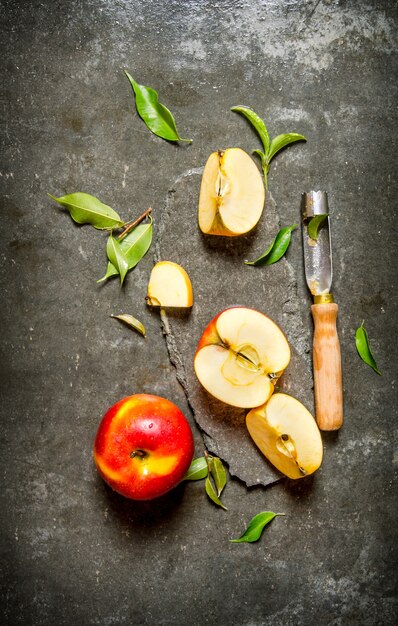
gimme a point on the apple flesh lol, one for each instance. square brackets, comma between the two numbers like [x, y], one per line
[287, 434]
[169, 286]
[240, 356]
[232, 194]
[143, 447]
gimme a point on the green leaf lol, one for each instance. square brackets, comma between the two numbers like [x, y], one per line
[277, 248]
[270, 147]
[131, 321]
[261, 154]
[134, 246]
[219, 474]
[363, 347]
[256, 526]
[212, 494]
[137, 243]
[156, 116]
[280, 141]
[86, 209]
[117, 257]
[257, 123]
[197, 470]
[314, 225]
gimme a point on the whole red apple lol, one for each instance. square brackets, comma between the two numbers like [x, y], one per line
[144, 446]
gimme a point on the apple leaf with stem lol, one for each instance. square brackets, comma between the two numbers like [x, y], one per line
[135, 244]
[256, 526]
[314, 225]
[156, 116]
[363, 347]
[211, 468]
[131, 321]
[87, 209]
[270, 147]
[131, 244]
[277, 248]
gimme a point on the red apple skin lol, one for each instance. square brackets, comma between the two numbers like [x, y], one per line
[143, 447]
[210, 334]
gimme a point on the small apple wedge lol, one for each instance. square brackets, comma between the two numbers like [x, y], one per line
[169, 286]
[232, 194]
[287, 435]
[240, 356]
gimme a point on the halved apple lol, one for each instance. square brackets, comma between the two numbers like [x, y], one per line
[240, 356]
[169, 286]
[287, 435]
[232, 194]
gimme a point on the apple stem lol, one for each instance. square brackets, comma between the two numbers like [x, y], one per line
[208, 457]
[134, 223]
[140, 453]
[265, 172]
[165, 321]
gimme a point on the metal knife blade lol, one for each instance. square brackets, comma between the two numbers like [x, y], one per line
[317, 253]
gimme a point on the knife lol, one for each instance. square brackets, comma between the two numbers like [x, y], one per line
[326, 354]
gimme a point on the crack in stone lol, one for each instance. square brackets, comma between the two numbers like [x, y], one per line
[178, 238]
[175, 356]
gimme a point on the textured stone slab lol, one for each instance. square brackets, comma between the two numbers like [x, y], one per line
[220, 279]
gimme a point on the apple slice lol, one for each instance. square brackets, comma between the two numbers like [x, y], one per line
[169, 286]
[287, 435]
[232, 194]
[240, 356]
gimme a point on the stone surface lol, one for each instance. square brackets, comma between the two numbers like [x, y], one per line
[72, 551]
[220, 280]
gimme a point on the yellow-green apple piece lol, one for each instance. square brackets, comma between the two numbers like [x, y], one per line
[287, 434]
[240, 355]
[169, 286]
[232, 194]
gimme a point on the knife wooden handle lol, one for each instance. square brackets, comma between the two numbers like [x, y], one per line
[327, 367]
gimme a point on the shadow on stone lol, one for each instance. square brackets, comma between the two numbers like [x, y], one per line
[300, 489]
[219, 411]
[229, 246]
[330, 437]
[142, 514]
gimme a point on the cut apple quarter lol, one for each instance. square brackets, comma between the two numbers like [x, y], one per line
[241, 354]
[232, 194]
[169, 286]
[287, 434]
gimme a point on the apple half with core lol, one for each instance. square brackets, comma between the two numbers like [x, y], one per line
[240, 356]
[144, 446]
[232, 194]
[287, 434]
[169, 286]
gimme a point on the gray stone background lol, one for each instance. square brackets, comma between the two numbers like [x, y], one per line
[73, 552]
